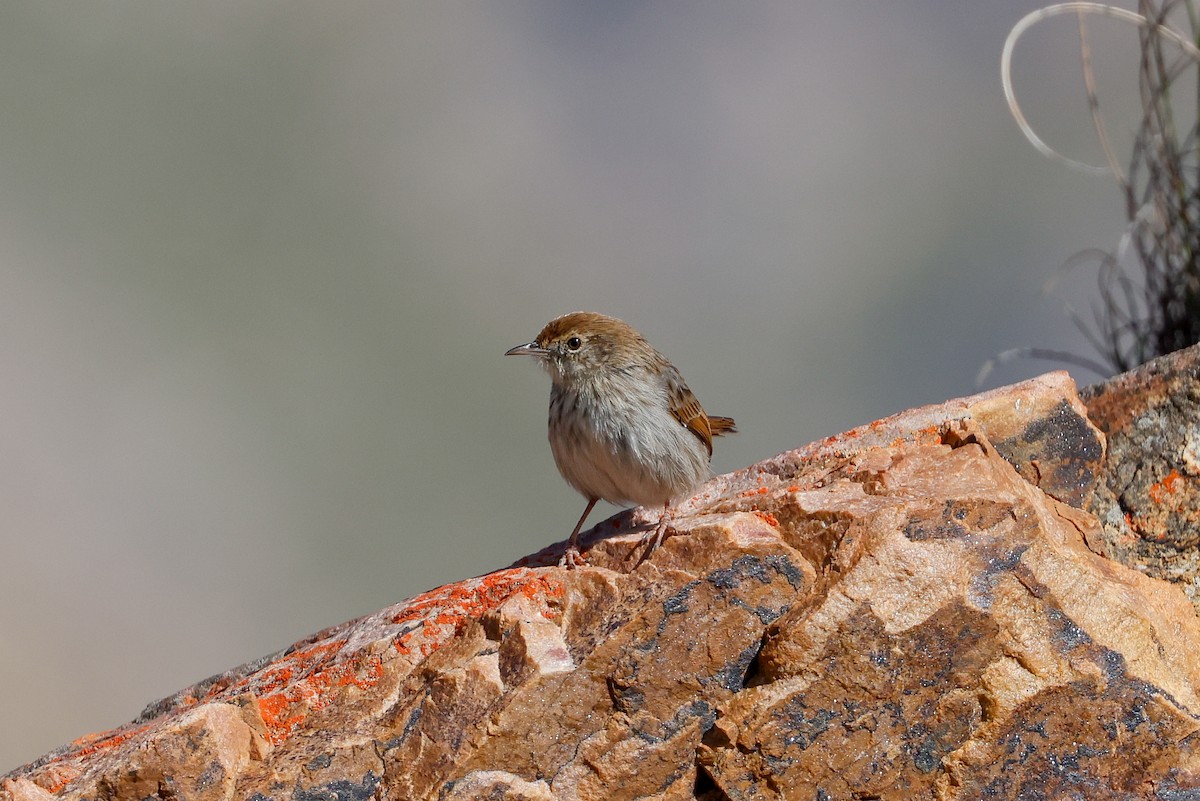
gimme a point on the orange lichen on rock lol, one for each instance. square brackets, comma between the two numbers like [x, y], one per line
[434, 617]
[302, 681]
[274, 711]
[286, 692]
[99, 741]
[766, 517]
[302, 662]
[1159, 490]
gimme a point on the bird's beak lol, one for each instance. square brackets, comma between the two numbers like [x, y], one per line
[528, 349]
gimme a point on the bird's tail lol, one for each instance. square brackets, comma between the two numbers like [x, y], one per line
[721, 425]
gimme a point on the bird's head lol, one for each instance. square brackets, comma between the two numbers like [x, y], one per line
[585, 347]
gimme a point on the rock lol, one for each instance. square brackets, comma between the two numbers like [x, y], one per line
[968, 646]
[907, 610]
[1149, 498]
[19, 789]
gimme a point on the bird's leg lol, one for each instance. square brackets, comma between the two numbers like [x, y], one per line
[659, 532]
[572, 558]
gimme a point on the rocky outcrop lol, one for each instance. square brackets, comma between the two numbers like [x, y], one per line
[907, 610]
[1148, 498]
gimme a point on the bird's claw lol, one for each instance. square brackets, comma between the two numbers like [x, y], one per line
[656, 537]
[572, 558]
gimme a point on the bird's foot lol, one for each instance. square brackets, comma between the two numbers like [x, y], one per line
[655, 536]
[572, 558]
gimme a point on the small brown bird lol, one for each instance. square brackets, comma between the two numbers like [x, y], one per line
[624, 427]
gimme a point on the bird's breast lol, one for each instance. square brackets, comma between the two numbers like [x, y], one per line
[623, 444]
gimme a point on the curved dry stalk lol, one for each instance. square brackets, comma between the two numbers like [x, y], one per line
[1149, 287]
[1089, 85]
[1081, 8]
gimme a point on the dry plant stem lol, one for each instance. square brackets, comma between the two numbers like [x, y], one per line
[1089, 82]
[1034, 17]
[1150, 307]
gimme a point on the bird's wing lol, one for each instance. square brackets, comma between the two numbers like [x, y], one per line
[687, 409]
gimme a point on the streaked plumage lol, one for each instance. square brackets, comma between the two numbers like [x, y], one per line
[624, 426]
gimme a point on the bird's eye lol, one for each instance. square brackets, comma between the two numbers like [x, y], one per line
[574, 343]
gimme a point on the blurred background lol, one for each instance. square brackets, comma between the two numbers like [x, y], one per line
[259, 264]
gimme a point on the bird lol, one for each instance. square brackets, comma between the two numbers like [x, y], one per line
[624, 427]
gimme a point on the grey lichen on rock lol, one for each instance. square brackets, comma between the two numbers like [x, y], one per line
[906, 610]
